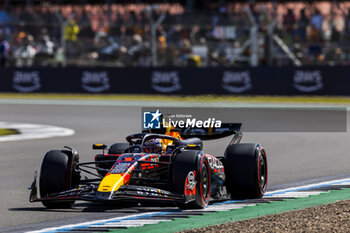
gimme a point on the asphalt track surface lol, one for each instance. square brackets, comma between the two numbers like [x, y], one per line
[292, 158]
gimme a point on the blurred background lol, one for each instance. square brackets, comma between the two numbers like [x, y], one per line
[198, 33]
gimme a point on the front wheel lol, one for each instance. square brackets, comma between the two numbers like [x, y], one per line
[58, 174]
[191, 177]
[246, 170]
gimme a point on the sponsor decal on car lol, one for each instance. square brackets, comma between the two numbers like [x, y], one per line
[236, 82]
[214, 163]
[191, 181]
[166, 82]
[120, 168]
[147, 191]
[26, 81]
[95, 82]
[308, 81]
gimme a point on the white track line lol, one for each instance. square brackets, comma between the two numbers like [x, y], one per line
[297, 194]
[226, 207]
[129, 223]
[344, 183]
[33, 131]
[332, 182]
[88, 224]
[141, 221]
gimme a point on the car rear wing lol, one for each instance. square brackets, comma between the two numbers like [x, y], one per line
[211, 133]
[226, 129]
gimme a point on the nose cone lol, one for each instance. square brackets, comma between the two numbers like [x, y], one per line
[112, 182]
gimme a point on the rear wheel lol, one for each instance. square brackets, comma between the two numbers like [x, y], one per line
[246, 170]
[58, 174]
[186, 165]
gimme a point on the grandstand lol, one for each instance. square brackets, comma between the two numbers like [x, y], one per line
[172, 33]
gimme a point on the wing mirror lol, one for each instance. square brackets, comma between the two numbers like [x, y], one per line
[99, 146]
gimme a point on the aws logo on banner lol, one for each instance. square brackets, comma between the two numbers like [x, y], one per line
[95, 81]
[26, 81]
[236, 82]
[308, 81]
[166, 82]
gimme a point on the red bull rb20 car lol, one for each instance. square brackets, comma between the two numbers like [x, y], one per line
[158, 167]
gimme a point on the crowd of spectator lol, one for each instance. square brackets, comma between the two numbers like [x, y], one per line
[120, 34]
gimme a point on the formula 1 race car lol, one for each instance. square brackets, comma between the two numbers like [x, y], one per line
[158, 167]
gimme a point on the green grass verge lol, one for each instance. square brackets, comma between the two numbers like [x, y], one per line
[245, 213]
[201, 98]
[4, 132]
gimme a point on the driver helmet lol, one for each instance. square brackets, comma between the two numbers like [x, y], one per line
[154, 146]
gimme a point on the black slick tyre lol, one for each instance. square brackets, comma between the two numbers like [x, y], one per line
[246, 170]
[118, 148]
[57, 174]
[184, 163]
